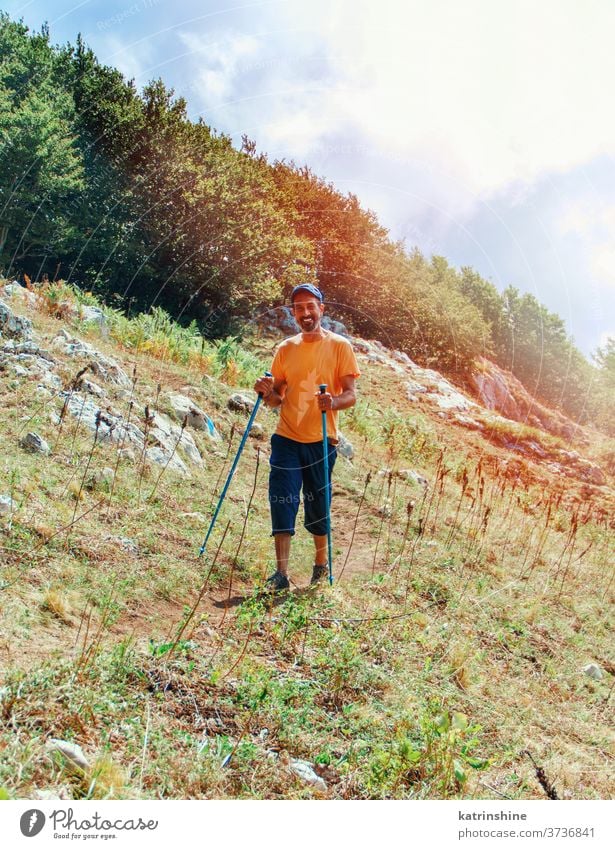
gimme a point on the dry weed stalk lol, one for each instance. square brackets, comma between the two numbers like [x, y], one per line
[199, 598]
[383, 509]
[368, 477]
[148, 422]
[170, 457]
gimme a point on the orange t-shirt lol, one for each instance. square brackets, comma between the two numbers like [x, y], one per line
[303, 366]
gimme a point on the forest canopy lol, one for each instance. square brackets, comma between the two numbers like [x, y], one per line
[119, 192]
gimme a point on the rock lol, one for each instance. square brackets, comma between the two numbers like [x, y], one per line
[257, 431]
[127, 454]
[62, 794]
[200, 518]
[334, 326]
[7, 505]
[376, 357]
[360, 345]
[466, 421]
[169, 437]
[402, 357]
[590, 472]
[413, 389]
[71, 751]
[14, 326]
[101, 478]
[305, 771]
[105, 367]
[594, 671]
[113, 429]
[110, 428]
[92, 388]
[282, 318]
[240, 403]
[26, 360]
[124, 542]
[414, 476]
[34, 443]
[16, 290]
[161, 457]
[345, 448]
[500, 390]
[184, 407]
[48, 380]
[447, 397]
[94, 314]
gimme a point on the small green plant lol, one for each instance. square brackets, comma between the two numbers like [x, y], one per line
[434, 758]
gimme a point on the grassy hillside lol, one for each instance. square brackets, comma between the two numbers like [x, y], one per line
[446, 661]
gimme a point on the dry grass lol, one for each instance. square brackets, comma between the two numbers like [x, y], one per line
[484, 604]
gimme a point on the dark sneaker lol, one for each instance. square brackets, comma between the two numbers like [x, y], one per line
[319, 573]
[276, 583]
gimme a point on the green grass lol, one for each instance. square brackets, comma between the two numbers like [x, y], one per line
[423, 673]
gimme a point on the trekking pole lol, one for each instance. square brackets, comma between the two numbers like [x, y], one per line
[234, 466]
[325, 445]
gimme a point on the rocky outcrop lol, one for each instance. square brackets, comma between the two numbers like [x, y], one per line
[14, 326]
[105, 367]
[500, 390]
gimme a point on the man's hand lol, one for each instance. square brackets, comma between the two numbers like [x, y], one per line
[325, 401]
[346, 399]
[272, 390]
[264, 386]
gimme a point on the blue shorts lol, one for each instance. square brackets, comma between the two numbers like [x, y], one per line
[293, 465]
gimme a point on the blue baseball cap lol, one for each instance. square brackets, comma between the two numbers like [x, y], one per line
[307, 287]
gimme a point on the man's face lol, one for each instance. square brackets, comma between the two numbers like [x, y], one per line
[307, 311]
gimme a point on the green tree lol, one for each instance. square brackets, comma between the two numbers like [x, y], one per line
[40, 167]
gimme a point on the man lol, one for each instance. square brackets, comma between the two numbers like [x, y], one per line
[301, 363]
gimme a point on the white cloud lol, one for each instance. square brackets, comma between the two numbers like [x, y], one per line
[491, 95]
[218, 60]
[132, 60]
[593, 221]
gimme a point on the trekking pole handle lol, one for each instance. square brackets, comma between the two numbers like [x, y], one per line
[323, 388]
[267, 374]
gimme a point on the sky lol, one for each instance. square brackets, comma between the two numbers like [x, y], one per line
[478, 130]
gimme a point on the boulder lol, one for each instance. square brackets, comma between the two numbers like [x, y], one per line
[163, 458]
[14, 326]
[93, 314]
[257, 431]
[35, 444]
[16, 290]
[184, 408]
[345, 447]
[594, 671]
[414, 476]
[305, 771]
[240, 403]
[71, 751]
[101, 479]
[169, 436]
[111, 428]
[334, 326]
[403, 358]
[105, 367]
